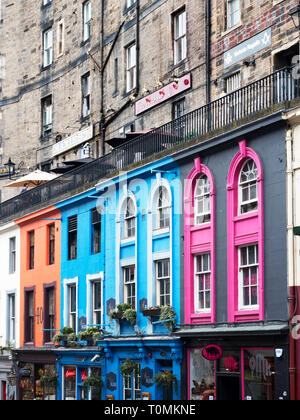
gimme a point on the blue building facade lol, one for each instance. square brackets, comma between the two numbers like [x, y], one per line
[120, 272]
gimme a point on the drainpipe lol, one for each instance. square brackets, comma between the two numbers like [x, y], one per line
[137, 43]
[293, 307]
[208, 46]
[208, 69]
[102, 127]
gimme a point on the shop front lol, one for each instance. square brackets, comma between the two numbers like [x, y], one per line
[237, 368]
[36, 375]
[121, 369]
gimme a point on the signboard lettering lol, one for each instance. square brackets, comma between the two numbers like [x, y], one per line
[163, 94]
[212, 352]
[248, 47]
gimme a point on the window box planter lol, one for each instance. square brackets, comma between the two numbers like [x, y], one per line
[152, 312]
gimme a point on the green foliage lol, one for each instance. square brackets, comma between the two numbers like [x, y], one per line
[166, 378]
[49, 379]
[168, 315]
[67, 330]
[93, 381]
[130, 315]
[128, 367]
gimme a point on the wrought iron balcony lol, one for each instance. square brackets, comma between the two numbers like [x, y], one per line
[261, 95]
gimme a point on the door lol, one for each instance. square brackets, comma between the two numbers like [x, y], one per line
[228, 388]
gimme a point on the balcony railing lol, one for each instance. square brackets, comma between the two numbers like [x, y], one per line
[261, 95]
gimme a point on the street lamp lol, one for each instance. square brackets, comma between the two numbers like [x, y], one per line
[295, 15]
[11, 167]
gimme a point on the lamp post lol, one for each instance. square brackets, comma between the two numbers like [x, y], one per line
[11, 167]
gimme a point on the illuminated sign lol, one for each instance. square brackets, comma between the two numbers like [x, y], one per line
[163, 94]
[212, 352]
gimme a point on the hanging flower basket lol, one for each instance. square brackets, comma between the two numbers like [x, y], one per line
[166, 379]
[124, 311]
[128, 367]
[93, 381]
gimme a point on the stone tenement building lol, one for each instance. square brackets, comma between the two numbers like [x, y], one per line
[78, 77]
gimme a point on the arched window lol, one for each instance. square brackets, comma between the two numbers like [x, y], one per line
[202, 200]
[163, 208]
[199, 245]
[129, 219]
[245, 229]
[248, 197]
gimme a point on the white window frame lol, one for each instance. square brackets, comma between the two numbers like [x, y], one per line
[131, 67]
[11, 318]
[127, 285]
[248, 266]
[247, 184]
[164, 278]
[86, 94]
[132, 383]
[12, 255]
[197, 275]
[90, 280]
[129, 219]
[203, 197]
[179, 36]
[67, 284]
[233, 13]
[163, 205]
[87, 18]
[48, 47]
[47, 115]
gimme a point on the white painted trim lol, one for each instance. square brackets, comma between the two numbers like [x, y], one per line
[67, 283]
[90, 279]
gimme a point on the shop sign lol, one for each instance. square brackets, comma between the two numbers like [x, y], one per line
[111, 381]
[72, 141]
[248, 47]
[147, 377]
[163, 94]
[25, 372]
[4, 171]
[212, 352]
[230, 364]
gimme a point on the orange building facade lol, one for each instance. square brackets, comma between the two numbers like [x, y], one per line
[40, 277]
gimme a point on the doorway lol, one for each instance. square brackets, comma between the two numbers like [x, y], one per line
[228, 388]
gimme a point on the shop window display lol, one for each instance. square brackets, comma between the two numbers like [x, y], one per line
[259, 374]
[202, 377]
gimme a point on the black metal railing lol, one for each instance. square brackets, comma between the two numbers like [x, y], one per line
[271, 90]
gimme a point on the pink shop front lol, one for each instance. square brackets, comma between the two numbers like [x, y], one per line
[242, 370]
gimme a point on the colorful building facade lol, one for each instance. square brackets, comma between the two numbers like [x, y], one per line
[40, 269]
[234, 260]
[107, 235]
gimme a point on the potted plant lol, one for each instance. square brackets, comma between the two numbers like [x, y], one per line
[67, 337]
[168, 315]
[119, 312]
[128, 367]
[166, 379]
[152, 311]
[90, 335]
[130, 315]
